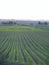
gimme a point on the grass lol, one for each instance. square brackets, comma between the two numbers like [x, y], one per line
[19, 28]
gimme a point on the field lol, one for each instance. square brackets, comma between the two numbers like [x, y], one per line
[23, 45]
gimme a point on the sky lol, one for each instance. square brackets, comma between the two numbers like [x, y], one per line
[24, 9]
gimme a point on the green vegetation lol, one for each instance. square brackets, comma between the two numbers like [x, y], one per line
[44, 28]
[24, 45]
[19, 28]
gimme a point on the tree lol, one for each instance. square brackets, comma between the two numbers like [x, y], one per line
[45, 23]
[10, 22]
[39, 22]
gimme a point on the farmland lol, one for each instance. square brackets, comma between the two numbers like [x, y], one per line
[23, 45]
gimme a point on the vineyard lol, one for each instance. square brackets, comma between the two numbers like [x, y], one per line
[24, 48]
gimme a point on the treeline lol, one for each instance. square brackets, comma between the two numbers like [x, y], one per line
[8, 23]
[26, 24]
[42, 23]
